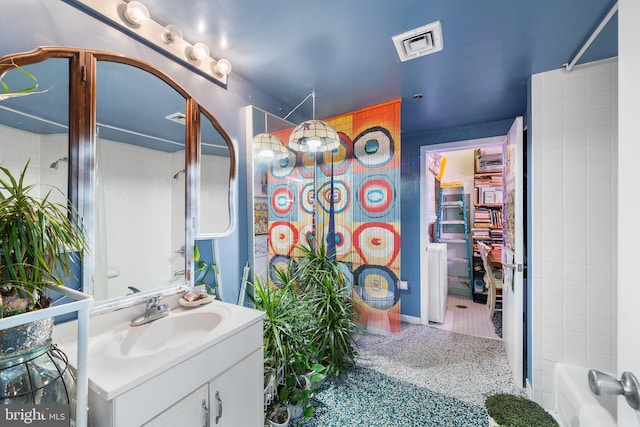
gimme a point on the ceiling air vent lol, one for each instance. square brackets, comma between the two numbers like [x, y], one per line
[177, 117]
[418, 42]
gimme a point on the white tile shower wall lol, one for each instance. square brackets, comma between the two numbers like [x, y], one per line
[178, 194]
[137, 180]
[16, 148]
[574, 137]
[52, 148]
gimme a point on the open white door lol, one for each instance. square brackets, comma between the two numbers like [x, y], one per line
[628, 182]
[512, 251]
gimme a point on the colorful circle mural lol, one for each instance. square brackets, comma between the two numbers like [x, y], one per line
[343, 239]
[340, 195]
[376, 196]
[306, 233]
[280, 262]
[373, 147]
[340, 157]
[377, 243]
[308, 197]
[378, 284]
[282, 168]
[283, 237]
[307, 164]
[282, 200]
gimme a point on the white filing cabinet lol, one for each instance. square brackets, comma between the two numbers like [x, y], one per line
[437, 259]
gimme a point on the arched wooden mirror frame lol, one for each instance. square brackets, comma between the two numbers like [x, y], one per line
[82, 148]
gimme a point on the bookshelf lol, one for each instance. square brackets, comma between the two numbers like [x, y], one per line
[487, 204]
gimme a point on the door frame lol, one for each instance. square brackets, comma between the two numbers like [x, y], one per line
[425, 150]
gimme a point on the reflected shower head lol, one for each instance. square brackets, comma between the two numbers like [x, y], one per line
[54, 165]
[175, 177]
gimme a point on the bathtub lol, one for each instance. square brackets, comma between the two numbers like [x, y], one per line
[576, 405]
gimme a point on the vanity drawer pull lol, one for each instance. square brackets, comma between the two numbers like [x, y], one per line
[206, 412]
[219, 407]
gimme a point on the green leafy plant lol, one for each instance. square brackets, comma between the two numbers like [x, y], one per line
[308, 324]
[13, 93]
[315, 265]
[301, 382]
[204, 269]
[327, 297]
[281, 322]
[332, 307]
[514, 411]
[40, 241]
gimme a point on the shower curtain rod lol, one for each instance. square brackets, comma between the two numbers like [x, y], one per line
[568, 67]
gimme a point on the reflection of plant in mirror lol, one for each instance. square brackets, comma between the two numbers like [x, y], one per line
[204, 269]
[40, 241]
[30, 90]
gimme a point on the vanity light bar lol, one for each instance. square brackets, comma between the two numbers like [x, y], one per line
[167, 39]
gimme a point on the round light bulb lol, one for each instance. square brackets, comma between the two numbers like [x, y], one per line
[313, 144]
[199, 51]
[136, 13]
[171, 34]
[267, 154]
[222, 67]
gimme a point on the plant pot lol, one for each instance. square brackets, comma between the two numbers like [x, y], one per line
[296, 411]
[32, 371]
[24, 338]
[283, 411]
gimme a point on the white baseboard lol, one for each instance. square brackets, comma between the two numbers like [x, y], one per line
[410, 319]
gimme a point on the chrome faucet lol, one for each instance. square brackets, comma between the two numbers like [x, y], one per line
[153, 311]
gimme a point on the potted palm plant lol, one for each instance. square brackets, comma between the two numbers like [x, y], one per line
[324, 288]
[40, 243]
[279, 335]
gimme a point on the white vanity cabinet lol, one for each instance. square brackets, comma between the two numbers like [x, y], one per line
[233, 404]
[227, 401]
[193, 410]
[222, 378]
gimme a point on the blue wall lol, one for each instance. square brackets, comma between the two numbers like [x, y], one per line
[410, 199]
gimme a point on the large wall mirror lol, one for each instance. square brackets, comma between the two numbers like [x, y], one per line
[147, 166]
[217, 168]
[140, 182]
[35, 128]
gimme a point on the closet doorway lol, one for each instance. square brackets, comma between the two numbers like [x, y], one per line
[515, 291]
[473, 168]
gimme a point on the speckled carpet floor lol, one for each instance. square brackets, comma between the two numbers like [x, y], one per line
[363, 397]
[419, 377]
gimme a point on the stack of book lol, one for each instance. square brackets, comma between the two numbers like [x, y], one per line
[481, 234]
[487, 218]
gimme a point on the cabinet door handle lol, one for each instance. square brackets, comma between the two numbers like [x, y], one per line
[205, 406]
[219, 407]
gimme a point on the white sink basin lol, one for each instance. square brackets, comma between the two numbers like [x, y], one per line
[179, 328]
[123, 356]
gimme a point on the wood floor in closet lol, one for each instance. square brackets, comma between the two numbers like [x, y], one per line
[467, 317]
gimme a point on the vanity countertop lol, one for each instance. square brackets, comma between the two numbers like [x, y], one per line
[121, 357]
